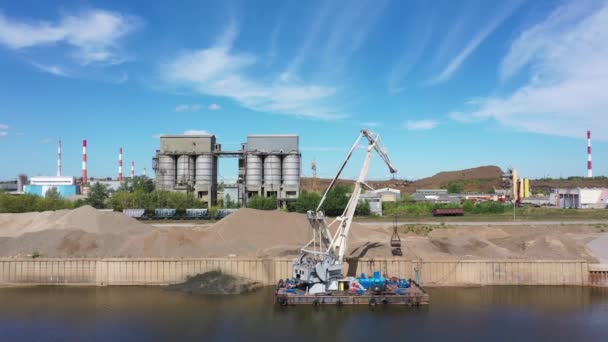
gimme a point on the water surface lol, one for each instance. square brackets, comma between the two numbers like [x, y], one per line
[152, 314]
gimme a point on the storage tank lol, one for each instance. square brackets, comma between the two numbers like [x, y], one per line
[272, 171]
[253, 171]
[165, 178]
[185, 169]
[291, 170]
[206, 170]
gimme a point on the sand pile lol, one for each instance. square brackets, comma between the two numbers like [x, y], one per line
[246, 233]
[82, 232]
[599, 247]
[85, 218]
[86, 232]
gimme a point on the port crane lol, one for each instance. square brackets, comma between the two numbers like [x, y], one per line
[319, 265]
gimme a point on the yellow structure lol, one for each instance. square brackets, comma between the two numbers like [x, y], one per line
[526, 187]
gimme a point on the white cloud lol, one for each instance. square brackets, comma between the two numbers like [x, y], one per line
[3, 126]
[51, 69]
[46, 141]
[456, 61]
[188, 108]
[420, 125]
[196, 132]
[371, 124]
[3, 134]
[214, 106]
[94, 34]
[220, 71]
[567, 59]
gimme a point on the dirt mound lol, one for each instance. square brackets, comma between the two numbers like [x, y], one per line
[215, 283]
[86, 232]
[475, 179]
[85, 218]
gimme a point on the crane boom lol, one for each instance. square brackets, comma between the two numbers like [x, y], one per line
[320, 263]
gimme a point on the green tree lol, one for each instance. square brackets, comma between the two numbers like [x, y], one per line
[307, 201]
[363, 209]
[262, 203]
[455, 187]
[52, 194]
[336, 200]
[138, 184]
[98, 195]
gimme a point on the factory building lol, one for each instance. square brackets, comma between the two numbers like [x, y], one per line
[188, 163]
[269, 165]
[66, 186]
[580, 198]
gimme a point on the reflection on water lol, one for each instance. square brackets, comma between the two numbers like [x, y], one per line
[149, 313]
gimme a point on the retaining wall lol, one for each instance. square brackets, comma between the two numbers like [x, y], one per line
[113, 271]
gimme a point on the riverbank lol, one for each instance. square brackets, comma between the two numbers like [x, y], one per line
[155, 271]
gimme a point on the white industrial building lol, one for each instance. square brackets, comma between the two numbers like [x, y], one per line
[388, 194]
[580, 198]
[374, 200]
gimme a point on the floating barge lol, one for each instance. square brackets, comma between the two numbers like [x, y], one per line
[380, 292]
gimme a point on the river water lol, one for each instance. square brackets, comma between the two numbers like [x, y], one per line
[152, 314]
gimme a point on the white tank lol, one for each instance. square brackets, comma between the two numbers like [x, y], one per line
[185, 169]
[253, 170]
[291, 170]
[206, 171]
[272, 171]
[165, 177]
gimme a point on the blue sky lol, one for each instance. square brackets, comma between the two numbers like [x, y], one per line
[448, 84]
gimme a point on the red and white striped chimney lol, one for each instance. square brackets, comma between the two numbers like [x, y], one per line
[85, 179]
[132, 169]
[120, 165]
[59, 159]
[589, 165]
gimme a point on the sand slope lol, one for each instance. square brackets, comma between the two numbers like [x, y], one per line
[86, 232]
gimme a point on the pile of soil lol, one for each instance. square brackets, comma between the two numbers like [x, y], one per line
[86, 232]
[474, 179]
[215, 283]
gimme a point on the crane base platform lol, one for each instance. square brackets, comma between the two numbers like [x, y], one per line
[412, 296]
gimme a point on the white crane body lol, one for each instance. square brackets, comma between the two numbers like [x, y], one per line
[320, 264]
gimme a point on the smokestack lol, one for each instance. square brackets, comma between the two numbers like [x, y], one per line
[120, 165]
[589, 166]
[85, 179]
[132, 169]
[59, 159]
[144, 171]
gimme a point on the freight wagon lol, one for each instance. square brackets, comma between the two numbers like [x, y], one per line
[448, 212]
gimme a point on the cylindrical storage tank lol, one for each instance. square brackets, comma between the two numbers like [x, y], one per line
[185, 169]
[206, 170]
[291, 170]
[272, 171]
[166, 172]
[253, 171]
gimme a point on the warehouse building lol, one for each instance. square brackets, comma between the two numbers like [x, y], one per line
[65, 186]
[580, 198]
[388, 194]
[269, 165]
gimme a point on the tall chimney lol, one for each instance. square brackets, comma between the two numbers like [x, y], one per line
[59, 159]
[85, 179]
[589, 166]
[120, 165]
[132, 169]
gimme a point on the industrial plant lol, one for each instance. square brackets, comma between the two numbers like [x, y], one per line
[269, 166]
